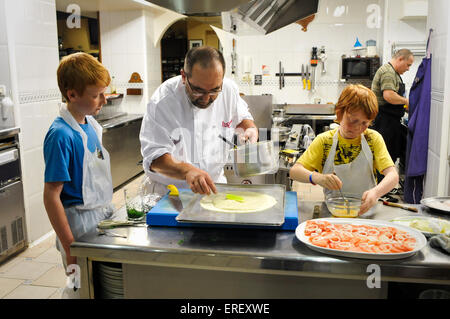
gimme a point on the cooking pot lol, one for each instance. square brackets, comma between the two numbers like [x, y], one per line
[255, 159]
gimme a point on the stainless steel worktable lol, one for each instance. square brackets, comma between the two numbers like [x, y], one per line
[247, 263]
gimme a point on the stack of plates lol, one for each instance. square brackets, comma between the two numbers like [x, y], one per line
[110, 280]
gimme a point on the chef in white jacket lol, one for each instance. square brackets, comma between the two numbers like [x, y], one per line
[179, 136]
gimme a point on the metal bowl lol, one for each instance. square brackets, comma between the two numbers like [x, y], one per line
[339, 208]
[255, 159]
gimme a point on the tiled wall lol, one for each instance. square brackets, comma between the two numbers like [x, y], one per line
[438, 143]
[336, 26]
[4, 65]
[33, 64]
[153, 55]
[396, 29]
[127, 47]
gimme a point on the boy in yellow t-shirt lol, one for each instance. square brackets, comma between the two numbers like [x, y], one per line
[346, 158]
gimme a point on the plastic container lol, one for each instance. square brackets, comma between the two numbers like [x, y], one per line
[339, 208]
[139, 200]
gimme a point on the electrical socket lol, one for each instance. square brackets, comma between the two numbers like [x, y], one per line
[2, 90]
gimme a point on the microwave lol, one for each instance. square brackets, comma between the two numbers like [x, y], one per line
[360, 68]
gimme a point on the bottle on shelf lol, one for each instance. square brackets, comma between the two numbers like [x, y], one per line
[112, 86]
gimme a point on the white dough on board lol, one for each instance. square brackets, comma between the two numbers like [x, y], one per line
[253, 202]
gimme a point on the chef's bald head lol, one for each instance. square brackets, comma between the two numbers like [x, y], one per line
[205, 56]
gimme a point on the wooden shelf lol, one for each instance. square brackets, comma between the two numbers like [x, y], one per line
[116, 96]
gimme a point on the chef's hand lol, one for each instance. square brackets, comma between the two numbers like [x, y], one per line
[200, 182]
[250, 134]
[369, 199]
[328, 181]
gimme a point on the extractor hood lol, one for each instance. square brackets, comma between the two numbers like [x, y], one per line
[269, 15]
[264, 15]
[199, 7]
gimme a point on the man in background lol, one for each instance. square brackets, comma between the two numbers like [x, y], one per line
[389, 89]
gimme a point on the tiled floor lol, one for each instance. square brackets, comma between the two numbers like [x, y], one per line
[37, 272]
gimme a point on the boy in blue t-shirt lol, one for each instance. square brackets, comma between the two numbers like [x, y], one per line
[78, 187]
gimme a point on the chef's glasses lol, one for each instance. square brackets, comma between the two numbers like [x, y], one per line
[196, 92]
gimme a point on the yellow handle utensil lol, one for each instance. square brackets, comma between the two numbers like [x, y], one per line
[173, 190]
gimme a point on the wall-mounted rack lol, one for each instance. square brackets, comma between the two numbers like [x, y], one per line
[294, 74]
[282, 74]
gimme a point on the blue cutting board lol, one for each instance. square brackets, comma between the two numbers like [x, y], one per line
[163, 214]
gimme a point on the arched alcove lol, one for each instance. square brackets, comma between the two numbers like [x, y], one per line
[181, 36]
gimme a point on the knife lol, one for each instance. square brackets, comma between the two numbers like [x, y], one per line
[174, 198]
[307, 77]
[176, 202]
[303, 77]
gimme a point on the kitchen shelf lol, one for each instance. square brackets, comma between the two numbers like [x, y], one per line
[116, 96]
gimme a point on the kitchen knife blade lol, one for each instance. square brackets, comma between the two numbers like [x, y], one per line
[176, 203]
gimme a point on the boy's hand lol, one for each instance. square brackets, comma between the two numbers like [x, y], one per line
[369, 199]
[329, 181]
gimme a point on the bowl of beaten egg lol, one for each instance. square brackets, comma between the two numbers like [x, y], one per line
[340, 207]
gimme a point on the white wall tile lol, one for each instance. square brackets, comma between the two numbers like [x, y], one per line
[128, 40]
[438, 15]
[3, 39]
[4, 66]
[37, 220]
[36, 119]
[33, 171]
[36, 67]
[438, 11]
[432, 175]
[34, 42]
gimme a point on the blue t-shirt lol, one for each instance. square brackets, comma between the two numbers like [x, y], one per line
[63, 156]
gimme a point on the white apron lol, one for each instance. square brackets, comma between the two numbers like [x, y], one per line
[357, 176]
[97, 189]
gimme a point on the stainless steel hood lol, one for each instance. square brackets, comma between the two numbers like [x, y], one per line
[269, 15]
[264, 15]
[200, 7]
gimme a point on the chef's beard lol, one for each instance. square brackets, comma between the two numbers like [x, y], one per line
[198, 104]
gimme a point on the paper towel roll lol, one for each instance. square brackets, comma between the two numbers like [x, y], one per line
[371, 51]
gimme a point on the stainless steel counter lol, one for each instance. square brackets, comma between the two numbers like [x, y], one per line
[310, 109]
[121, 139]
[120, 121]
[253, 257]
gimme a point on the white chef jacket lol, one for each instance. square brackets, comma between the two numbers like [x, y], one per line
[190, 134]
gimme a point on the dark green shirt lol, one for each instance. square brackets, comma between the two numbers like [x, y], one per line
[385, 79]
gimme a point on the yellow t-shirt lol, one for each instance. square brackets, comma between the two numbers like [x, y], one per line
[347, 150]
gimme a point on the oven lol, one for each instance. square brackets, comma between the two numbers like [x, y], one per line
[12, 210]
